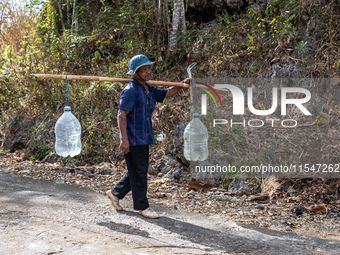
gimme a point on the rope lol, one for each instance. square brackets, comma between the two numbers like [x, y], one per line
[195, 97]
[66, 91]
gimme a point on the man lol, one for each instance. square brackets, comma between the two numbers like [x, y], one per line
[137, 102]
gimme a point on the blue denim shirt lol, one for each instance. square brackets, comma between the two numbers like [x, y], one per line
[141, 105]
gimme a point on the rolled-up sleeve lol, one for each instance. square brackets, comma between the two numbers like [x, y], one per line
[159, 94]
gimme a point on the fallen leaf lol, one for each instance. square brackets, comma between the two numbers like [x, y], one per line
[261, 197]
[161, 181]
[317, 208]
[198, 186]
[157, 195]
[294, 199]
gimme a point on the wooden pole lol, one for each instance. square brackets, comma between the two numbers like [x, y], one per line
[98, 78]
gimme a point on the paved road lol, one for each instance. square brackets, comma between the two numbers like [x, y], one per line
[39, 217]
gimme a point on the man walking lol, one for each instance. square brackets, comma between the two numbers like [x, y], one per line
[137, 102]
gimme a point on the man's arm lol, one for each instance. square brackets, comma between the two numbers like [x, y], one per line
[122, 125]
[173, 90]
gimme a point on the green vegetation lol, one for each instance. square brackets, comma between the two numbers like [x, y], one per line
[42, 150]
[99, 37]
[2, 153]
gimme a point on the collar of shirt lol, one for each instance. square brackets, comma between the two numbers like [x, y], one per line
[138, 83]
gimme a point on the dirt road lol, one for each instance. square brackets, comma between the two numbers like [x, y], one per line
[40, 217]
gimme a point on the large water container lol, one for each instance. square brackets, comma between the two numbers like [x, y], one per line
[196, 140]
[67, 132]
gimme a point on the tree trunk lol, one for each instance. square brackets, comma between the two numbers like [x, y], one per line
[68, 14]
[158, 14]
[77, 23]
[74, 27]
[178, 25]
[61, 15]
[167, 17]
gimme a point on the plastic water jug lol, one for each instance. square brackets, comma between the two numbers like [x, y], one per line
[196, 140]
[67, 131]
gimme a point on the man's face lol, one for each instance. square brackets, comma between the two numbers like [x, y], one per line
[145, 72]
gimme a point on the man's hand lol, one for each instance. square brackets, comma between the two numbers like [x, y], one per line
[187, 81]
[173, 90]
[122, 124]
[124, 146]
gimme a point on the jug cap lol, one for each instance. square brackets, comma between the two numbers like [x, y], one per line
[67, 108]
[196, 115]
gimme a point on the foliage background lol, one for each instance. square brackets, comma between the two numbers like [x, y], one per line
[99, 37]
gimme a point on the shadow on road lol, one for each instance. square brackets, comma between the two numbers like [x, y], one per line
[124, 228]
[216, 240]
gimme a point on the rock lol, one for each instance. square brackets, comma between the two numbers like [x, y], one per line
[178, 173]
[234, 199]
[165, 169]
[203, 172]
[51, 158]
[215, 4]
[286, 72]
[167, 164]
[25, 171]
[311, 26]
[235, 4]
[336, 94]
[174, 174]
[202, 177]
[224, 198]
[290, 224]
[238, 185]
[258, 5]
[105, 170]
[17, 133]
[176, 148]
[315, 104]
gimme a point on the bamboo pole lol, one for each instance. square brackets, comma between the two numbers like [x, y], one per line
[98, 78]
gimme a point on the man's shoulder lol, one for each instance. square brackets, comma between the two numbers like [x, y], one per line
[152, 87]
[131, 86]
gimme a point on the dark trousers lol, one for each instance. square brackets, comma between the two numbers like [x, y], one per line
[137, 161]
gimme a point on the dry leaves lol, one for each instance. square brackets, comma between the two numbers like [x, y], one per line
[160, 181]
[198, 186]
[317, 208]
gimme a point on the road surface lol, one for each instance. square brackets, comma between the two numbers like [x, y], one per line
[40, 217]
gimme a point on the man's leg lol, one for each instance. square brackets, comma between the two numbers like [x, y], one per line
[137, 161]
[122, 187]
[119, 191]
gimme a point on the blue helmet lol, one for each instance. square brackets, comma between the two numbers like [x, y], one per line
[138, 61]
